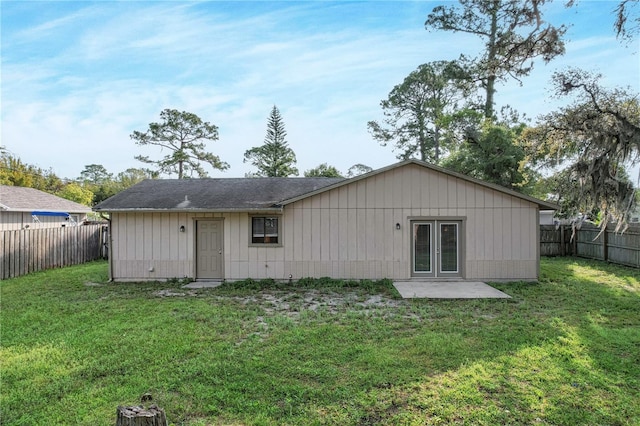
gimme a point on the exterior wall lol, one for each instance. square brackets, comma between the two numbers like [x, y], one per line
[149, 246]
[348, 232]
[11, 221]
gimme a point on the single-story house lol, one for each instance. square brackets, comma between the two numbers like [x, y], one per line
[28, 208]
[408, 220]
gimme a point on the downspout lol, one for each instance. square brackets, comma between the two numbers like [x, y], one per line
[109, 246]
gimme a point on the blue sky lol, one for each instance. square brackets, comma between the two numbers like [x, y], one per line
[79, 77]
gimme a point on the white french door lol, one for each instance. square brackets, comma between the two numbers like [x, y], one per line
[436, 248]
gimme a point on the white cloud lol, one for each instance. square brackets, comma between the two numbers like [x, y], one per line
[115, 66]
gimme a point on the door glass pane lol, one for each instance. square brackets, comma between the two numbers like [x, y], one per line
[449, 247]
[422, 247]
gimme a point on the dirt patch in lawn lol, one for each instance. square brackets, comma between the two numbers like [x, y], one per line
[299, 306]
[315, 300]
[293, 303]
[174, 293]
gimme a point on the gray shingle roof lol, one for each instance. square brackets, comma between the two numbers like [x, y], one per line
[17, 198]
[246, 194]
[212, 194]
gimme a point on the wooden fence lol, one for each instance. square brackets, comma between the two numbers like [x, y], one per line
[589, 242]
[555, 242]
[29, 250]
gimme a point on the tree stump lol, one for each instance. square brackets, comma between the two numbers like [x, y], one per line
[140, 416]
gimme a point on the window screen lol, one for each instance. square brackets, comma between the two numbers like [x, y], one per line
[264, 230]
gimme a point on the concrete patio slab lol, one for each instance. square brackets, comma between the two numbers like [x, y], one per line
[448, 290]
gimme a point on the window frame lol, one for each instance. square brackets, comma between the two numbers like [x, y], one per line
[278, 218]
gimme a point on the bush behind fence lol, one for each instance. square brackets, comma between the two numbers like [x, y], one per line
[29, 250]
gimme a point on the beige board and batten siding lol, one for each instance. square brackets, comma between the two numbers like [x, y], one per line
[348, 231]
[148, 246]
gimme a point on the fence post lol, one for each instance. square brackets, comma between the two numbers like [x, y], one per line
[605, 241]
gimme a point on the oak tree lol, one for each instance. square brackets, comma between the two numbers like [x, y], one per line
[15, 172]
[95, 174]
[131, 176]
[627, 24]
[74, 192]
[494, 155]
[323, 170]
[358, 169]
[595, 139]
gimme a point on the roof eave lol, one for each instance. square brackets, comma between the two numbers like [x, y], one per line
[228, 210]
[29, 210]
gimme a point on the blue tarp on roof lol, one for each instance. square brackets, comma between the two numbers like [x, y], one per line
[50, 214]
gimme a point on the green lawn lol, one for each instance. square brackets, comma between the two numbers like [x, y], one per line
[565, 351]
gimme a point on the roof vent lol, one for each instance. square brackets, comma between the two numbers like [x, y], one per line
[184, 204]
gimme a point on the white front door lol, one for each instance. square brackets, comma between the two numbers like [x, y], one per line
[435, 248]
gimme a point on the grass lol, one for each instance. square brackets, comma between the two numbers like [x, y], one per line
[564, 351]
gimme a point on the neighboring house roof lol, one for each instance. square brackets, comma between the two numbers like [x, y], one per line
[212, 194]
[21, 199]
[246, 194]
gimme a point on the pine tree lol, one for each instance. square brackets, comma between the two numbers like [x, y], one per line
[513, 33]
[274, 158]
[183, 135]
